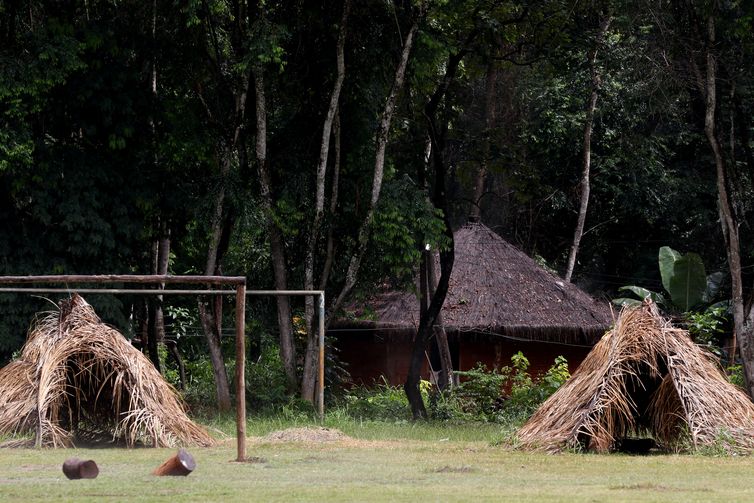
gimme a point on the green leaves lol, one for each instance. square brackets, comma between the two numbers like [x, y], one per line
[15, 149]
[27, 79]
[683, 277]
[642, 293]
[405, 223]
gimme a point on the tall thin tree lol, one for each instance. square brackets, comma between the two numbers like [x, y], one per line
[277, 243]
[381, 140]
[743, 325]
[308, 381]
[591, 106]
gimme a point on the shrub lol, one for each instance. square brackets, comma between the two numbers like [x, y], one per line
[736, 375]
[266, 381]
[200, 389]
[381, 402]
[478, 394]
[708, 327]
[168, 366]
[481, 393]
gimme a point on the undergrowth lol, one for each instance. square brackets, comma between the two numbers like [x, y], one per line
[506, 396]
[495, 402]
[486, 405]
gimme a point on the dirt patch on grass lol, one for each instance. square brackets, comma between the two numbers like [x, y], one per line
[454, 469]
[642, 486]
[308, 434]
[253, 460]
[649, 486]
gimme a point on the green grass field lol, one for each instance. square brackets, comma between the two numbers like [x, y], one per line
[377, 462]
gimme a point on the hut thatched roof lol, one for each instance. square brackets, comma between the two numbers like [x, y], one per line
[495, 288]
[78, 378]
[644, 376]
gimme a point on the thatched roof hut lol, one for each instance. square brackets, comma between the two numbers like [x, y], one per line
[495, 288]
[78, 378]
[499, 301]
[644, 376]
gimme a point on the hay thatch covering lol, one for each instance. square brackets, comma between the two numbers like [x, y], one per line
[495, 289]
[644, 376]
[77, 378]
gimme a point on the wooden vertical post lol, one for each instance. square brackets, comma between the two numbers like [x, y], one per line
[321, 387]
[240, 367]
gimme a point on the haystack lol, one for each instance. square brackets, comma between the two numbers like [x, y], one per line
[644, 378]
[79, 379]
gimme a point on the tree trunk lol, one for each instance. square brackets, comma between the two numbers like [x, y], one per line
[152, 346]
[155, 322]
[490, 107]
[427, 286]
[745, 142]
[277, 244]
[157, 317]
[230, 53]
[429, 318]
[587, 153]
[379, 165]
[209, 319]
[163, 262]
[176, 354]
[309, 378]
[441, 337]
[447, 257]
[141, 311]
[742, 327]
[215, 356]
[330, 254]
[424, 294]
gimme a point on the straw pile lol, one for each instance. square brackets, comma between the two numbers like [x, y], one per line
[644, 377]
[78, 379]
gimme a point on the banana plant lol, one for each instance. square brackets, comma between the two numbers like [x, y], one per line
[684, 279]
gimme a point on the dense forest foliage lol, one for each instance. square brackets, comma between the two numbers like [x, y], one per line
[325, 144]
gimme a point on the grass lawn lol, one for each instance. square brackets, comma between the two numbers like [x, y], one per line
[377, 462]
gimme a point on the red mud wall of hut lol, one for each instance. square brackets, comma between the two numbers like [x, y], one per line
[369, 356]
[541, 355]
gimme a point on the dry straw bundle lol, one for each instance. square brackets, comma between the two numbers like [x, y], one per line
[644, 376]
[79, 378]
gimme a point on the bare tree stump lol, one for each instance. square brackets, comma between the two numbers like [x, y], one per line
[179, 465]
[75, 468]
